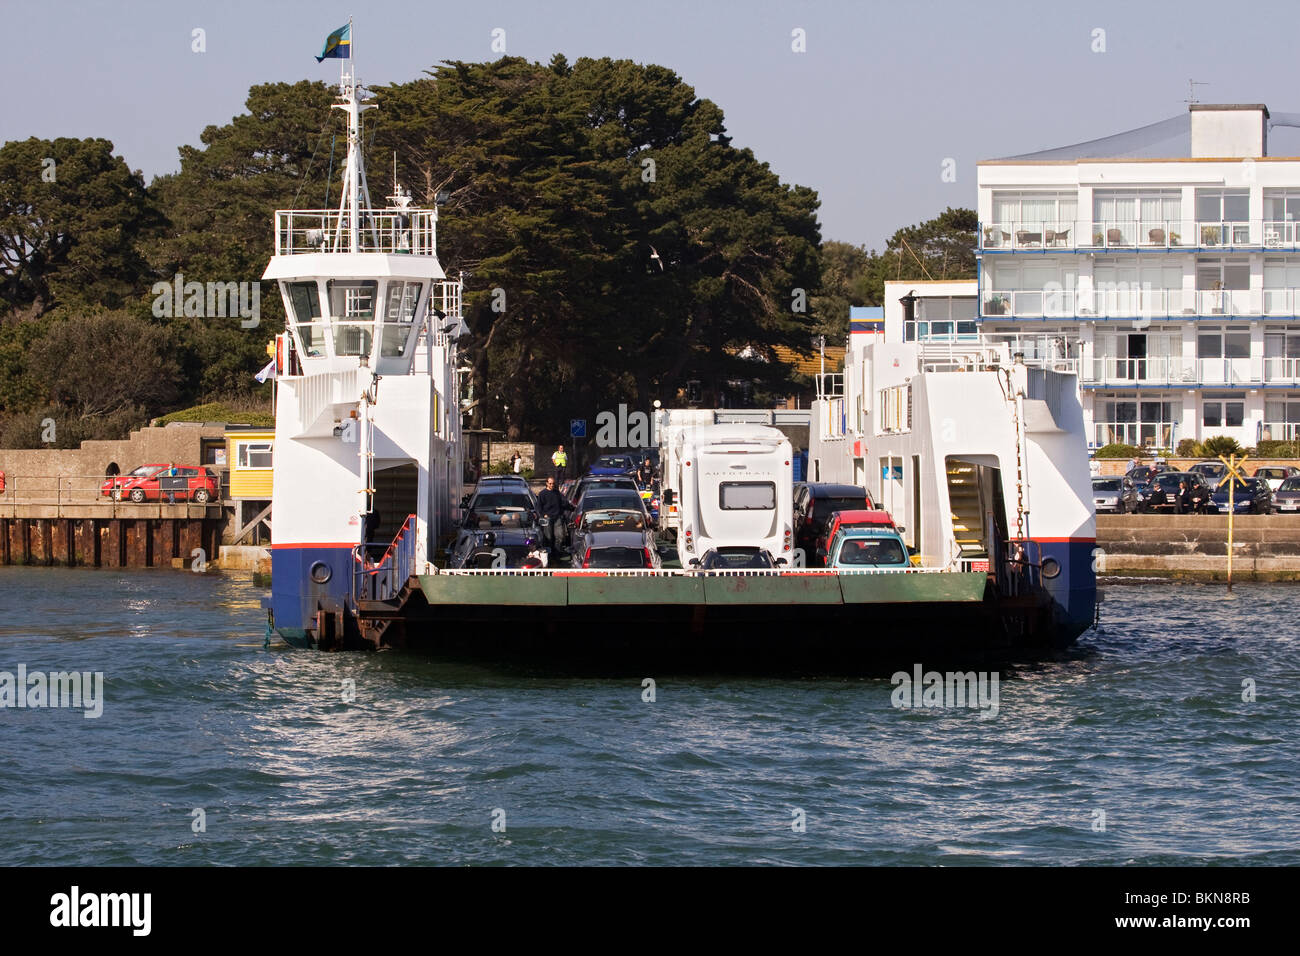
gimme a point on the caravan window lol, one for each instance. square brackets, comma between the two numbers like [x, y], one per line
[747, 496]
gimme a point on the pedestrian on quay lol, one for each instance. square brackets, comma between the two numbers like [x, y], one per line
[516, 463]
[1183, 503]
[551, 509]
[560, 462]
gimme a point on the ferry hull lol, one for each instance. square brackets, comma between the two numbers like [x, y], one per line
[298, 598]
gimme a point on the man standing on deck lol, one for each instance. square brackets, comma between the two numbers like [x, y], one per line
[551, 508]
[560, 461]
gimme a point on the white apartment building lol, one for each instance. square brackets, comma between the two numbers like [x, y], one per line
[1171, 284]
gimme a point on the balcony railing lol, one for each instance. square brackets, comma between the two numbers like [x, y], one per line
[1137, 234]
[1141, 434]
[1179, 371]
[394, 231]
[1137, 303]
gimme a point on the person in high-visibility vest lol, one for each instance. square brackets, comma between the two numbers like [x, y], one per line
[561, 461]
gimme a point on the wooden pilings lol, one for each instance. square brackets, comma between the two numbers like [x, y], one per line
[107, 542]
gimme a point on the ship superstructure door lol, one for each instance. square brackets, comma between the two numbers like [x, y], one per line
[976, 504]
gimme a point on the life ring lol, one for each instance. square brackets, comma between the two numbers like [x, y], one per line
[2, 482]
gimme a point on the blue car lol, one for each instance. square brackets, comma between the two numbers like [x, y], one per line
[613, 465]
[1249, 497]
[868, 548]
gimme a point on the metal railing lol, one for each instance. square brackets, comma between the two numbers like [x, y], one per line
[393, 231]
[1045, 235]
[88, 491]
[1104, 303]
[686, 572]
[382, 580]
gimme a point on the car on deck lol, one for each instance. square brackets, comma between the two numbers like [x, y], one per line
[613, 465]
[499, 527]
[604, 499]
[735, 558]
[814, 504]
[862, 549]
[861, 518]
[614, 538]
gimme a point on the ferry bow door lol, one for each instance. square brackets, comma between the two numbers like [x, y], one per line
[975, 501]
[397, 492]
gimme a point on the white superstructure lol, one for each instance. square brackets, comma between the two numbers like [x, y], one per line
[367, 447]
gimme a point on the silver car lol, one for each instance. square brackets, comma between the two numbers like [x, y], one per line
[1115, 494]
[614, 538]
[1287, 497]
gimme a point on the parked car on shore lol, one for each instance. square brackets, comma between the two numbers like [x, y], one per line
[1118, 495]
[1287, 496]
[1276, 474]
[1212, 471]
[1251, 496]
[146, 484]
[1165, 491]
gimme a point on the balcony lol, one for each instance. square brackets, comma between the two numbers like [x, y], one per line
[1177, 371]
[1143, 235]
[1138, 303]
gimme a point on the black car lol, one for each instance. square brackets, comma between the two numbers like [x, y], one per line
[735, 559]
[1165, 493]
[1251, 496]
[814, 504]
[499, 528]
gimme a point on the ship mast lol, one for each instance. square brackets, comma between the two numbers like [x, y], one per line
[356, 193]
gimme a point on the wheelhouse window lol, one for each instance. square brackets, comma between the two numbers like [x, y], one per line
[304, 307]
[352, 307]
[943, 318]
[400, 305]
[747, 496]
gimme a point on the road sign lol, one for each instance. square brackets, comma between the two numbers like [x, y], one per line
[1232, 477]
[577, 428]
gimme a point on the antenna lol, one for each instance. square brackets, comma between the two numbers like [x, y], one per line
[1191, 90]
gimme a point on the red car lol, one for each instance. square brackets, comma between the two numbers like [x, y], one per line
[145, 484]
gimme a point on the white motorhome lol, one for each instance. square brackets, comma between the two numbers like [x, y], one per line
[733, 486]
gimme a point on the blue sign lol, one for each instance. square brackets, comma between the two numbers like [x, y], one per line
[577, 428]
[886, 472]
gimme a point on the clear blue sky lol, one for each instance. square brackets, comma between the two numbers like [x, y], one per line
[884, 94]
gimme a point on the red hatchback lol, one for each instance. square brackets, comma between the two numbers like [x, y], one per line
[159, 482]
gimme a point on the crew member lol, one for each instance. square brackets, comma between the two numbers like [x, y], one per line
[560, 461]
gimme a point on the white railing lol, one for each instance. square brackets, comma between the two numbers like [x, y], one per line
[830, 385]
[1092, 234]
[393, 231]
[1106, 303]
[683, 572]
[1282, 369]
[1159, 370]
[1141, 434]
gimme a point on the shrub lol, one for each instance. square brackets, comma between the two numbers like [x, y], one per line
[1117, 450]
[1190, 448]
[1278, 449]
[1217, 445]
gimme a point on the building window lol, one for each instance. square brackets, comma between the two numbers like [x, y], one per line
[254, 455]
[1146, 421]
[1223, 410]
[942, 318]
[1222, 216]
[1282, 418]
[1137, 217]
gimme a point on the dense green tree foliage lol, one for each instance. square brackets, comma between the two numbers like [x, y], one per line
[616, 247]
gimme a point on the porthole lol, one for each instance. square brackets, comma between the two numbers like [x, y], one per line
[1051, 568]
[320, 572]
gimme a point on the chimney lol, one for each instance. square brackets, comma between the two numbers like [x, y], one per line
[1229, 131]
